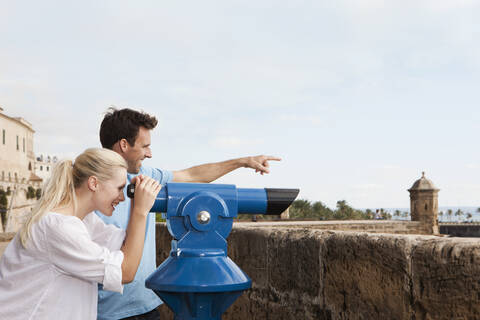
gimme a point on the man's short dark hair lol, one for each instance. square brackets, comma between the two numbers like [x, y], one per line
[123, 124]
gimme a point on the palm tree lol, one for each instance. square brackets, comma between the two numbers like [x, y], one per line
[469, 215]
[440, 214]
[397, 213]
[300, 209]
[449, 213]
[459, 213]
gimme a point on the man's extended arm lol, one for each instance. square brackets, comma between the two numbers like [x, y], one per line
[212, 171]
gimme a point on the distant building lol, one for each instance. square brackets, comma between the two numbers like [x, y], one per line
[17, 168]
[17, 160]
[43, 166]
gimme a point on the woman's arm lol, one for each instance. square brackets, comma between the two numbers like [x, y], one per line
[146, 190]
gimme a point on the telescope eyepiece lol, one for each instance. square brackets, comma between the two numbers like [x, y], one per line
[131, 190]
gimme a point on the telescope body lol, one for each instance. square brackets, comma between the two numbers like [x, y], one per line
[198, 280]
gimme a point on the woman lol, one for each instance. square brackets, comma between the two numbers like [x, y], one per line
[52, 267]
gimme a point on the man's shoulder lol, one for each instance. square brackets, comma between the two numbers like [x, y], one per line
[148, 171]
[161, 175]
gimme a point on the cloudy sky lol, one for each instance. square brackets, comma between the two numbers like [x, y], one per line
[357, 97]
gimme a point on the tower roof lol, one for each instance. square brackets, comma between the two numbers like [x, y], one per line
[423, 184]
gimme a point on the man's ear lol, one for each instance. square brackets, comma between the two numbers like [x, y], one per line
[124, 145]
[92, 183]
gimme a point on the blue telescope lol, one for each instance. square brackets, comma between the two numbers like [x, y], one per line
[198, 280]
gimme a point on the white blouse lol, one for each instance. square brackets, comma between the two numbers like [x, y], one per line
[56, 277]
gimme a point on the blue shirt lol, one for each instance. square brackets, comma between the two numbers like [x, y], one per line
[136, 299]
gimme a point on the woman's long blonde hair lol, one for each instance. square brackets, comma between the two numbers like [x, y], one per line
[59, 190]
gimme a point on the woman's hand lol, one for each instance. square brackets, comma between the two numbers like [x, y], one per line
[146, 190]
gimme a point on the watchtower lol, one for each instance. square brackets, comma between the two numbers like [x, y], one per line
[424, 204]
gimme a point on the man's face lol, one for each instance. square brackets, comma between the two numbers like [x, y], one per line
[139, 151]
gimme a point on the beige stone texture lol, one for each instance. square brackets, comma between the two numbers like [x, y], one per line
[372, 226]
[446, 279]
[17, 159]
[424, 204]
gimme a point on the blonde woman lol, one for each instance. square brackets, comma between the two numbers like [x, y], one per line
[52, 267]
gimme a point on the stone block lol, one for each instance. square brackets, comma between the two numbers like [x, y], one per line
[248, 249]
[293, 261]
[165, 312]
[285, 274]
[366, 276]
[163, 242]
[446, 279]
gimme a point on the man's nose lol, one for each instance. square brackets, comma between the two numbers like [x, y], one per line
[148, 154]
[122, 196]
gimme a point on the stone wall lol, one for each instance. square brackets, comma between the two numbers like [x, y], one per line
[461, 229]
[307, 273]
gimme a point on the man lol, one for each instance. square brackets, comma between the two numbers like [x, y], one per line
[127, 132]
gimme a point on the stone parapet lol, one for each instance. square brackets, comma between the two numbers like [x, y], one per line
[372, 226]
[308, 273]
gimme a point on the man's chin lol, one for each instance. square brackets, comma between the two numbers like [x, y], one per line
[133, 170]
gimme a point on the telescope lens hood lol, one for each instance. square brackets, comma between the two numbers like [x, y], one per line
[278, 200]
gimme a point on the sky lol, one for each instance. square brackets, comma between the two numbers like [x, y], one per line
[356, 97]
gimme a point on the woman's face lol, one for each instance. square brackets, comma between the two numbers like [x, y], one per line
[110, 192]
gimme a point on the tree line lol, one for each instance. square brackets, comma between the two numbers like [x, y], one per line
[306, 210]
[458, 213]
